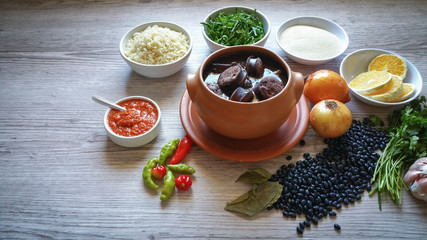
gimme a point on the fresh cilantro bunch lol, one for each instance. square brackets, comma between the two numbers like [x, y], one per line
[240, 28]
[408, 142]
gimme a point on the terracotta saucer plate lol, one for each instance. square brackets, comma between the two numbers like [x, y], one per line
[251, 150]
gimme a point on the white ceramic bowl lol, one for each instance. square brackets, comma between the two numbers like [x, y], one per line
[318, 22]
[358, 61]
[232, 9]
[139, 140]
[156, 71]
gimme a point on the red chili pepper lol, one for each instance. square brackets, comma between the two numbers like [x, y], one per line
[159, 172]
[182, 150]
[183, 182]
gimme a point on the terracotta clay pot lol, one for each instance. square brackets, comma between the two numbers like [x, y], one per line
[244, 120]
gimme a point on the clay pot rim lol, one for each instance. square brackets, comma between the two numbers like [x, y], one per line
[243, 49]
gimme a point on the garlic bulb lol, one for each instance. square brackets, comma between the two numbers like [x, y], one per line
[416, 179]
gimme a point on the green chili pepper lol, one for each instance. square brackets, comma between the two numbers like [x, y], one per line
[168, 150]
[168, 186]
[146, 173]
[182, 168]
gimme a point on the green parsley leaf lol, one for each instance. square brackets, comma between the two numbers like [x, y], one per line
[408, 142]
[239, 28]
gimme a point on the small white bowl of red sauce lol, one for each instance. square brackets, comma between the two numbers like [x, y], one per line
[136, 126]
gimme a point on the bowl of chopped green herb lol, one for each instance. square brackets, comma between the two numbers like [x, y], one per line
[235, 26]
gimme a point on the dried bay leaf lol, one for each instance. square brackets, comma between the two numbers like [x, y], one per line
[240, 199]
[274, 191]
[261, 196]
[255, 175]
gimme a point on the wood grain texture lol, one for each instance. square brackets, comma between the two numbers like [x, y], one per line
[62, 178]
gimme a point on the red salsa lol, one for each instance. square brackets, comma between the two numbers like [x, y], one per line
[140, 116]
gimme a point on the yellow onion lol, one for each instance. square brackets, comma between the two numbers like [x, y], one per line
[330, 118]
[326, 84]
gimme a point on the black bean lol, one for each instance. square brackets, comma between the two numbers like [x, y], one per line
[325, 212]
[345, 201]
[337, 175]
[314, 220]
[303, 202]
[307, 223]
[301, 225]
[302, 142]
[289, 157]
[300, 230]
[325, 184]
[337, 226]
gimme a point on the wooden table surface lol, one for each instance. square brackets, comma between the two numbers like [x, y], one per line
[62, 178]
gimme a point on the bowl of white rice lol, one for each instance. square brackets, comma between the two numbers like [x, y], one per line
[156, 49]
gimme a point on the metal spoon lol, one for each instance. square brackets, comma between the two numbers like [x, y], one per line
[107, 103]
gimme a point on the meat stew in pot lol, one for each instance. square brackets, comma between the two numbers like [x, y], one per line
[244, 78]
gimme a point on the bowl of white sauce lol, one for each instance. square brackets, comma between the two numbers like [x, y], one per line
[311, 40]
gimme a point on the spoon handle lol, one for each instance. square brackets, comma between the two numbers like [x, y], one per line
[107, 103]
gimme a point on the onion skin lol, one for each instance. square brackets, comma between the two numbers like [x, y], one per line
[330, 118]
[326, 84]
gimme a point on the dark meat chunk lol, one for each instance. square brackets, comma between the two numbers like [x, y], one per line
[254, 67]
[242, 95]
[268, 87]
[214, 88]
[247, 84]
[255, 89]
[232, 78]
[221, 67]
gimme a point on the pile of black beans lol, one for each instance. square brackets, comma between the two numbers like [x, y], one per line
[320, 184]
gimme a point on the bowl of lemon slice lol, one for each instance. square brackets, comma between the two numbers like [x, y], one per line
[381, 78]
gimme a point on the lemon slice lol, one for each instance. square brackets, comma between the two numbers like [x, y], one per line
[408, 89]
[370, 82]
[390, 63]
[391, 92]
